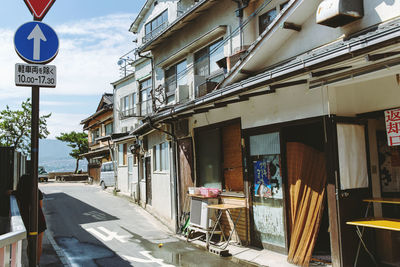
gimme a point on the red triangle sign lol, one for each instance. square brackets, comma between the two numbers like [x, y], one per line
[39, 8]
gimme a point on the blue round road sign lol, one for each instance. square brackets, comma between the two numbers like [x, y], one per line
[36, 42]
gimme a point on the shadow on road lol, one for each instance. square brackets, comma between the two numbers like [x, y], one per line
[64, 216]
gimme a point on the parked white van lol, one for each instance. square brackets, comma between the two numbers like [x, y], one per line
[107, 175]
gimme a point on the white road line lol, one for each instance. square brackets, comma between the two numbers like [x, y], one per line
[61, 255]
[150, 259]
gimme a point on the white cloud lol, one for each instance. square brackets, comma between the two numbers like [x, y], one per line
[63, 123]
[86, 63]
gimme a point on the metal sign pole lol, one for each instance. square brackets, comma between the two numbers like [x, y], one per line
[33, 222]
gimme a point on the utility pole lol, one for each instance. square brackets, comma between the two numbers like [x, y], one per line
[33, 212]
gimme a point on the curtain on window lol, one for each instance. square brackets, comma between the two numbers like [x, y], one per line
[306, 181]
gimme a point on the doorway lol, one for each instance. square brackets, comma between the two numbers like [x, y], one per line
[306, 176]
[280, 196]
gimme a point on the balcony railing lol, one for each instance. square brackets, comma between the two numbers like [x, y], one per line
[11, 241]
[146, 108]
[123, 114]
[149, 36]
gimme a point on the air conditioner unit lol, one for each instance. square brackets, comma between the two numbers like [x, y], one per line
[336, 13]
[200, 215]
[205, 88]
[182, 94]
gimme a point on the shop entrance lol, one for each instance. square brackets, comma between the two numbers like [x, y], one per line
[288, 177]
[306, 175]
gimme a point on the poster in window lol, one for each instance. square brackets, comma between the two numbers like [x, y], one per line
[389, 164]
[267, 178]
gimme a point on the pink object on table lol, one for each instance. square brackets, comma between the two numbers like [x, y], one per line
[209, 192]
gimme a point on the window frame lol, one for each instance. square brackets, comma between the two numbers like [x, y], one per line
[205, 52]
[105, 128]
[148, 83]
[150, 30]
[161, 157]
[172, 76]
[122, 154]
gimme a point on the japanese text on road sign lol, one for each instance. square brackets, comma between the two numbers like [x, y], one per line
[35, 75]
[392, 118]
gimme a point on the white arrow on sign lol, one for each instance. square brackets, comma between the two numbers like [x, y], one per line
[36, 35]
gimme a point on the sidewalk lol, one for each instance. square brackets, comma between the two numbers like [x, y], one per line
[245, 255]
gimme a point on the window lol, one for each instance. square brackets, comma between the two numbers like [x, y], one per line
[128, 106]
[209, 158]
[161, 157]
[206, 59]
[122, 154]
[175, 76]
[266, 19]
[145, 97]
[109, 128]
[95, 134]
[155, 26]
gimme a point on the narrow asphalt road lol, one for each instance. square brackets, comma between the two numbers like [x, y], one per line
[94, 228]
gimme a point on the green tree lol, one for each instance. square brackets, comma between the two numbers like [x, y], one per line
[78, 142]
[15, 127]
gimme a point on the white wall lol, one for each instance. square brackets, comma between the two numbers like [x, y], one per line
[160, 182]
[286, 104]
[375, 12]
[123, 89]
[123, 179]
[365, 96]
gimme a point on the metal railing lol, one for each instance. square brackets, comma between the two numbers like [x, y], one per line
[127, 113]
[11, 242]
[150, 35]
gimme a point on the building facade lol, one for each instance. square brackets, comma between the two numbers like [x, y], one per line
[98, 125]
[280, 104]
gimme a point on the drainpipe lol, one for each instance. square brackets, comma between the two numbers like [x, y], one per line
[175, 198]
[242, 4]
[111, 148]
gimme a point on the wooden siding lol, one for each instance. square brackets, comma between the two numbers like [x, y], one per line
[232, 151]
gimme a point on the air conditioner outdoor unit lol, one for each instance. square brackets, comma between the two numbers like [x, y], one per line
[336, 13]
[205, 88]
[182, 94]
[200, 215]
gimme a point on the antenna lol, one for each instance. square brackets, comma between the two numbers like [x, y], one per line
[120, 62]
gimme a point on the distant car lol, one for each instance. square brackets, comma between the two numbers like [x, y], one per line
[43, 176]
[107, 175]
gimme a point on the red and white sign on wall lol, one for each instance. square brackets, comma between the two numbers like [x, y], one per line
[39, 8]
[392, 118]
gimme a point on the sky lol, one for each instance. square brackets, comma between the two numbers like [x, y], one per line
[93, 35]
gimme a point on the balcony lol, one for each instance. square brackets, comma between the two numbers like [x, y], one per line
[127, 113]
[154, 33]
[146, 107]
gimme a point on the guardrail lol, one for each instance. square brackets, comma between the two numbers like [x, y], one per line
[11, 242]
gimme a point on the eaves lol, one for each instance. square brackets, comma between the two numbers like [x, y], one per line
[364, 42]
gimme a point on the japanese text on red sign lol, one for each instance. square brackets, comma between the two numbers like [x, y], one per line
[392, 118]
